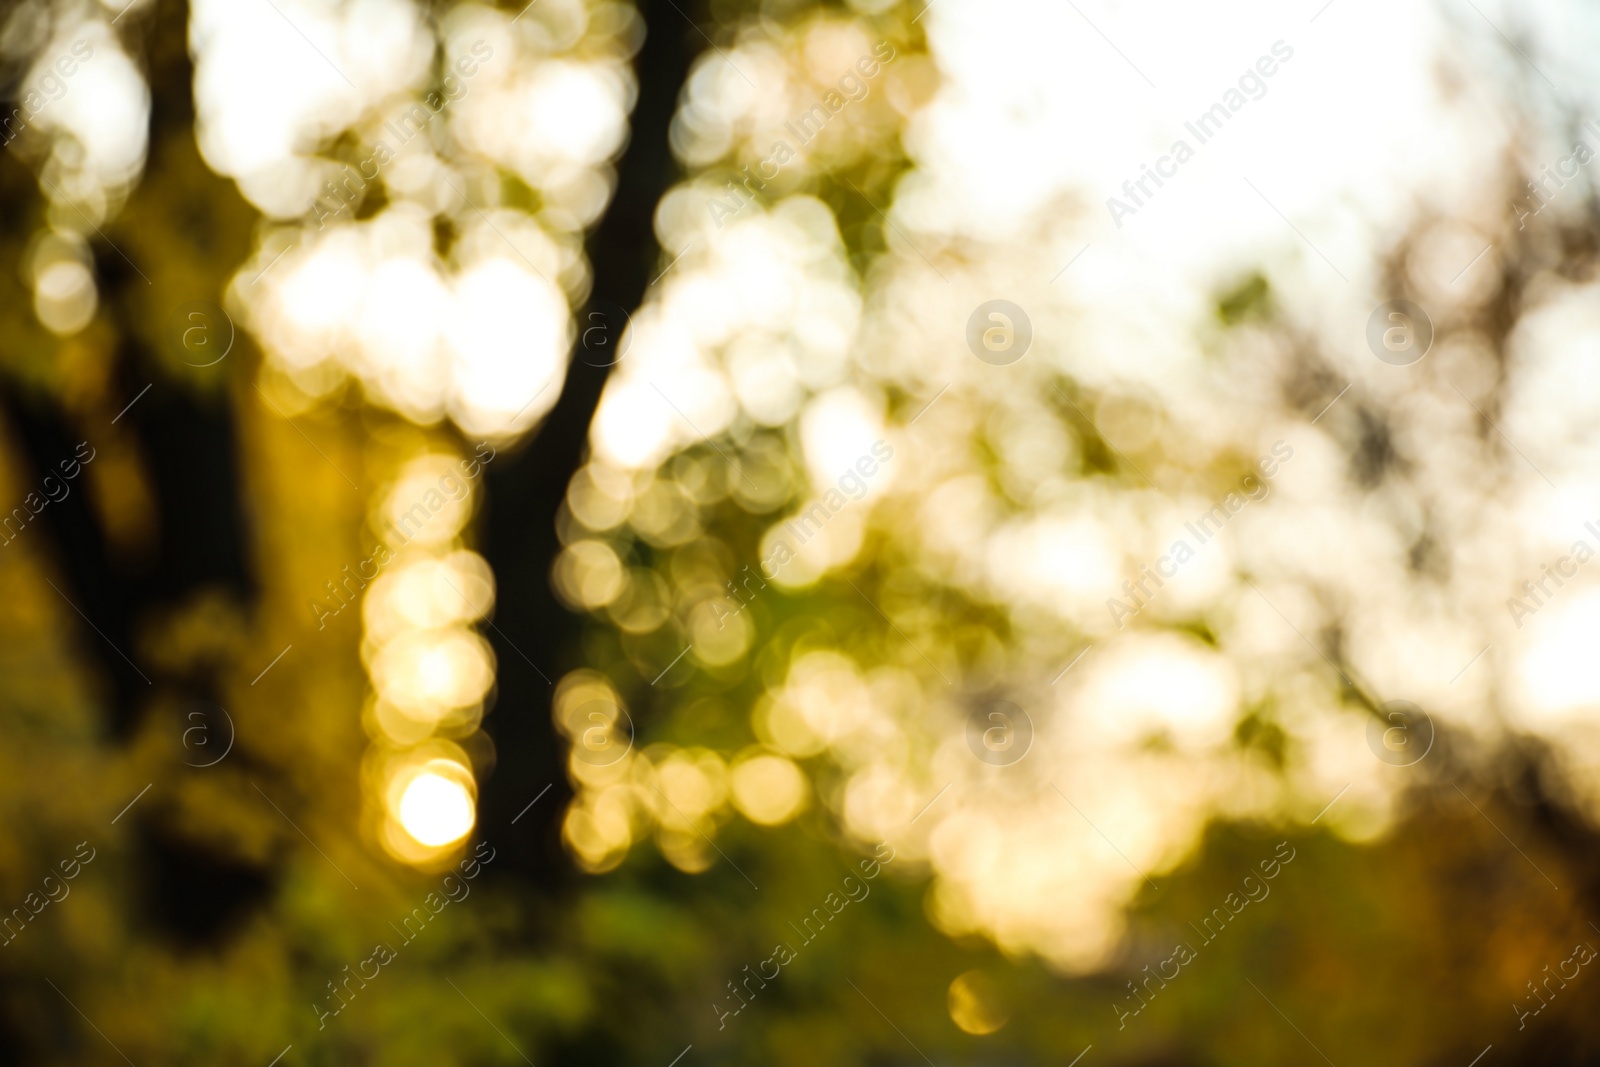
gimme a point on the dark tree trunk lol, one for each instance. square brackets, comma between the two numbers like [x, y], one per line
[186, 441]
[526, 490]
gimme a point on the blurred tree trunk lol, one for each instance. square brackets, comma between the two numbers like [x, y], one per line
[187, 442]
[526, 492]
[184, 440]
[179, 441]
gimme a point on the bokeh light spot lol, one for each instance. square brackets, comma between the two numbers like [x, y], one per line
[436, 810]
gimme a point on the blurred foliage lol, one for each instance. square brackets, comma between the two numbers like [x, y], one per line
[225, 900]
